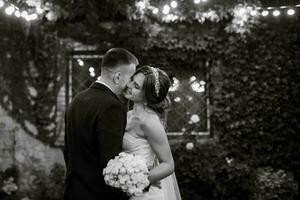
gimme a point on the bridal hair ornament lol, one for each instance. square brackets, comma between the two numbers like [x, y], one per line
[156, 77]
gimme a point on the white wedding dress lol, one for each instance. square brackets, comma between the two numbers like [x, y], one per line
[140, 146]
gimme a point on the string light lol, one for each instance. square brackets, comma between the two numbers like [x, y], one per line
[17, 14]
[10, 10]
[265, 13]
[91, 69]
[174, 4]
[92, 74]
[80, 62]
[253, 12]
[177, 99]
[175, 85]
[32, 17]
[197, 1]
[24, 14]
[141, 4]
[1, 3]
[166, 9]
[291, 12]
[155, 11]
[197, 87]
[243, 12]
[276, 13]
[193, 78]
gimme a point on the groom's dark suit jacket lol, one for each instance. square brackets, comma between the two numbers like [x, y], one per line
[94, 126]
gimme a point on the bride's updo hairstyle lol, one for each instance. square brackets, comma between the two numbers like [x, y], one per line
[156, 87]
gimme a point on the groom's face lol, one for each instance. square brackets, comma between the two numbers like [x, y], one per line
[126, 73]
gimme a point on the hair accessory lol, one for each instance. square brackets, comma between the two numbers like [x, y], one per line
[156, 77]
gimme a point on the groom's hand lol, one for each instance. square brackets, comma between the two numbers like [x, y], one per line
[157, 184]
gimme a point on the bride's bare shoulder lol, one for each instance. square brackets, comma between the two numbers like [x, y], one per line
[150, 120]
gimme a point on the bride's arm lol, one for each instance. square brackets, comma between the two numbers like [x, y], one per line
[157, 137]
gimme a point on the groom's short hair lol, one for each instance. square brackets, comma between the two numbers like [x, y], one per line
[118, 56]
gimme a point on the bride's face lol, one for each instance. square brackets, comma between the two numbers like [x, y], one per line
[134, 89]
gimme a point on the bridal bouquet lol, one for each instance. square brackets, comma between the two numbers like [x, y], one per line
[127, 172]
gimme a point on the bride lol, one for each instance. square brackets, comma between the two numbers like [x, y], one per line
[145, 133]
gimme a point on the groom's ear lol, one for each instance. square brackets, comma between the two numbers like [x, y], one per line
[117, 77]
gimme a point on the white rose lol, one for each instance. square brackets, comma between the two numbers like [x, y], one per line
[122, 181]
[127, 177]
[134, 164]
[128, 183]
[111, 182]
[130, 170]
[117, 184]
[138, 192]
[115, 171]
[137, 169]
[195, 118]
[131, 191]
[146, 181]
[189, 146]
[106, 178]
[124, 187]
[122, 154]
[127, 163]
[130, 156]
[134, 182]
[122, 170]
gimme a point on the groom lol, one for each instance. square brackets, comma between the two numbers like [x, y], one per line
[94, 126]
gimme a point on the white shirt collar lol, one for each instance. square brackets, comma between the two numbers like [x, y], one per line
[101, 82]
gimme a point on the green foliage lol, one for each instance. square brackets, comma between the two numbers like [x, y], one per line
[31, 75]
[274, 184]
[47, 186]
[9, 183]
[205, 172]
[256, 105]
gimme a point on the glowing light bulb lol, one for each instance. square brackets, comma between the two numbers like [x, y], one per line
[265, 13]
[193, 78]
[10, 10]
[17, 14]
[253, 13]
[197, 1]
[166, 9]
[291, 12]
[1, 4]
[80, 62]
[177, 99]
[30, 17]
[276, 13]
[92, 74]
[33, 17]
[39, 10]
[24, 14]
[141, 4]
[174, 4]
[242, 11]
[155, 11]
[91, 69]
